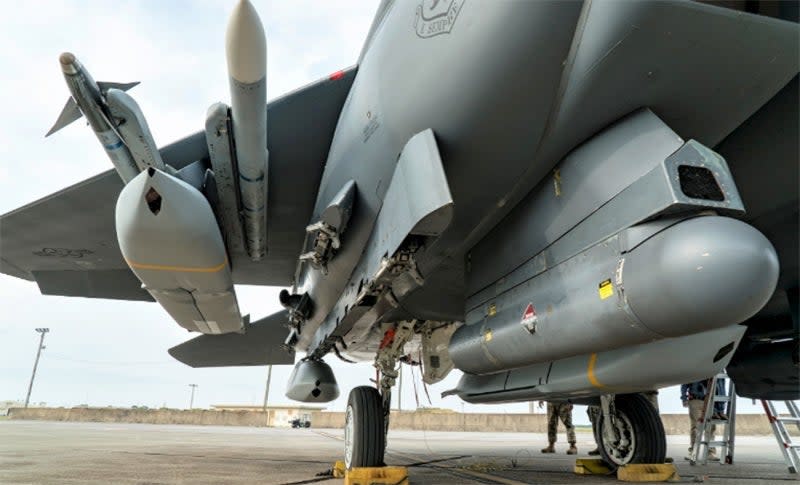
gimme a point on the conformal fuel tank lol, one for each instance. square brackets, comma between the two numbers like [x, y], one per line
[641, 285]
[170, 239]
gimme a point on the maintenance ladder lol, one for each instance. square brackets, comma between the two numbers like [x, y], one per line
[789, 449]
[703, 439]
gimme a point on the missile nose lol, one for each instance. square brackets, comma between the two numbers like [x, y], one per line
[704, 273]
[246, 44]
[68, 63]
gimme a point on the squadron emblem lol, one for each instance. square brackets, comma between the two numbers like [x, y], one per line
[435, 17]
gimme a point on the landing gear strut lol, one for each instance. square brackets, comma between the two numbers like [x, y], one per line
[629, 430]
[367, 415]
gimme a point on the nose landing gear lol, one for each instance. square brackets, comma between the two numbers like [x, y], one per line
[364, 429]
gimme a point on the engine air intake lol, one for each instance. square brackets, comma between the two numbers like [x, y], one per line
[699, 183]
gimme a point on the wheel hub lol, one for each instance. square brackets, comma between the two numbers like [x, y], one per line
[349, 433]
[621, 451]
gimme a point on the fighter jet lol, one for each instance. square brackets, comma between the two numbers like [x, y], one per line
[571, 201]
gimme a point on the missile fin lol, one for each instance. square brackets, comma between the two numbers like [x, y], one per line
[105, 86]
[70, 113]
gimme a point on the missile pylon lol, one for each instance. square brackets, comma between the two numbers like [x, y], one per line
[246, 52]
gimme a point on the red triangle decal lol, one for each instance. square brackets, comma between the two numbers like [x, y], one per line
[529, 312]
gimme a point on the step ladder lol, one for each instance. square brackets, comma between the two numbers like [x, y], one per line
[776, 422]
[727, 433]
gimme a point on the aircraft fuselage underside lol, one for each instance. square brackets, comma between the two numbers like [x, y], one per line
[489, 224]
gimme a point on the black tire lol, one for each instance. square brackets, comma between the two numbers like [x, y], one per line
[364, 429]
[646, 428]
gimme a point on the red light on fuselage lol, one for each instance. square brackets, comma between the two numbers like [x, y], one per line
[336, 76]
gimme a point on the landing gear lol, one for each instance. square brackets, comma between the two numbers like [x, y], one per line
[367, 414]
[629, 430]
[364, 429]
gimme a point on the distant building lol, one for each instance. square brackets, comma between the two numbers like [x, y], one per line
[6, 405]
[279, 416]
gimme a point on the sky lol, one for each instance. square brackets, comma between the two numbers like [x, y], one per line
[104, 352]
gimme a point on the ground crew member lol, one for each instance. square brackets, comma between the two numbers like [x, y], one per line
[556, 411]
[693, 396]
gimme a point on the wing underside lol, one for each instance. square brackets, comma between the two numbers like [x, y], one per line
[67, 242]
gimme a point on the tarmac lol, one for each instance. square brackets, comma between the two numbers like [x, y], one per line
[42, 452]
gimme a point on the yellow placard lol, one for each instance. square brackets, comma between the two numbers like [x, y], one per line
[606, 289]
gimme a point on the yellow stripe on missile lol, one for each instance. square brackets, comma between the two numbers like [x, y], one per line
[184, 269]
[590, 373]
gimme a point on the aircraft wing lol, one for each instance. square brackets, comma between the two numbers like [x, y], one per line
[67, 242]
[261, 343]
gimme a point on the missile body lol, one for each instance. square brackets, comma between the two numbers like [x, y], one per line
[699, 275]
[246, 51]
[134, 130]
[169, 237]
[86, 94]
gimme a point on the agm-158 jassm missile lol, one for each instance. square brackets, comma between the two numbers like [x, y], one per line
[246, 52]
[168, 235]
[106, 106]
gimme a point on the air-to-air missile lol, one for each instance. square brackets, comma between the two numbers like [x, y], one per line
[246, 52]
[88, 98]
[114, 117]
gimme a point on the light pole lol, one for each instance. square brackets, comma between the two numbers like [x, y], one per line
[191, 399]
[42, 331]
[400, 387]
[266, 393]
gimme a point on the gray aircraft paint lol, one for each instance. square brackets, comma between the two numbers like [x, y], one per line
[224, 176]
[134, 130]
[419, 171]
[86, 94]
[312, 381]
[259, 343]
[630, 369]
[507, 93]
[712, 272]
[469, 197]
[246, 53]
[170, 239]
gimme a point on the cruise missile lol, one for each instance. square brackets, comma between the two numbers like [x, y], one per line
[168, 235]
[88, 99]
[246, 52]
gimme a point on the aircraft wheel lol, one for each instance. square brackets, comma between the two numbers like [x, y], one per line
[364, 438]
[640, 430]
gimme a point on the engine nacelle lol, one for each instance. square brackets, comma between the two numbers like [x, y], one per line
[169, 237]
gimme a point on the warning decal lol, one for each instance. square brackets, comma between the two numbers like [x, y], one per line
[529, 318]
[605, 289]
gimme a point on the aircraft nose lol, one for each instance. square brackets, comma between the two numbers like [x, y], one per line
[703, 273]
